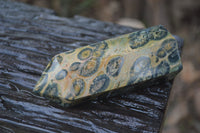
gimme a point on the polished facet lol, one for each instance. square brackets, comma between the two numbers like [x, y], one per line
[106, 66]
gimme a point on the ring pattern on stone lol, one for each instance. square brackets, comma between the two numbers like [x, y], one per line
[106, 66]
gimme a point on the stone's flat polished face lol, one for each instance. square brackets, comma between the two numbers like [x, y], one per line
[109, 65]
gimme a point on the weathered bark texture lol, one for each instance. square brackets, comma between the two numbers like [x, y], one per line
[29, 38]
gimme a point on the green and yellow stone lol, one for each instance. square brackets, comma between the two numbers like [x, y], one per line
[73, 76]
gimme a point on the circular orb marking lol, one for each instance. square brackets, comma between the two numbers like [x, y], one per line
[100, 49]
[51, 90]
[161, 53]
[162, 69]
[85, 53]
[78, 87]
[138, 39]
[75, 66]
[89, 67]
[61, 75]
[157, 33]
[141, 69]
[103, 45]
[114, 66]
[169, 45]
[173, 57]
[98, 53]
[99, 84]
[141, 64]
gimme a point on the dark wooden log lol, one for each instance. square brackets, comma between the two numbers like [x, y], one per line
[29, 38]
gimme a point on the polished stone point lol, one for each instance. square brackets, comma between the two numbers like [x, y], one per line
[111, 65]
